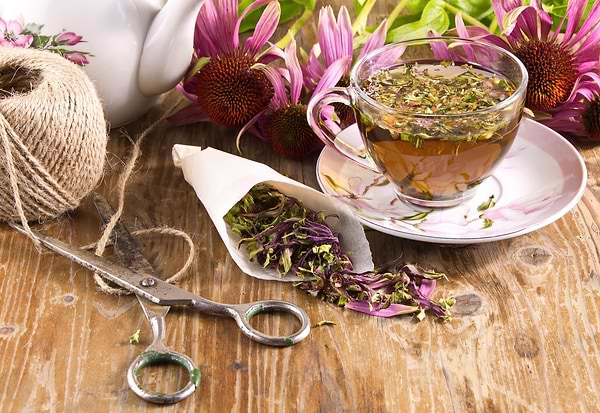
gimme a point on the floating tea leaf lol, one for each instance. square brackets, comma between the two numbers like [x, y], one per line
[442, 136]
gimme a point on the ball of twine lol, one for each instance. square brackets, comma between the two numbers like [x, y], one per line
[52, 135]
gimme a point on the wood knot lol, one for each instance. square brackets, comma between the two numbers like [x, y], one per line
[466, 304]
[7, 330]
[525, 346]
[68, 299]
[238, 365]
[534, 255]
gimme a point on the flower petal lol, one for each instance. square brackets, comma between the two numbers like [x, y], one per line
[252, 6]
[246, 127]
[3, 25]
[329, 117]
[291, 61]
[280, 97]
[462, 32]
[333, 74]
[208, 40]
[76, 57]
[270, 55]
[391, 311]
[266, 26]
[69, 38]
[391, 56]
[313, 70]
[376, 40]
[427, 287]
[439, 48]
[502, 7]
[335, 38]
[590, 25]
[15, 26]
[345, 31]
[574, 12]
[188, 89]
[188, 115]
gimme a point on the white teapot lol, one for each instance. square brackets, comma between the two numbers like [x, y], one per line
[139, 48]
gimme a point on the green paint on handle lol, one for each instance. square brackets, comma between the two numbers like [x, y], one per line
[195, 377]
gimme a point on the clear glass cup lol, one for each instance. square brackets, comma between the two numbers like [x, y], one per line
[433, 160]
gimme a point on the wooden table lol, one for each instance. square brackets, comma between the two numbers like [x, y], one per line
[525, 334]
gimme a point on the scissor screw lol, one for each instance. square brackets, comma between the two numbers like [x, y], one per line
[148, 282]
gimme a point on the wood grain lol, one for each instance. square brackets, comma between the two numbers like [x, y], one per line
[525, 336]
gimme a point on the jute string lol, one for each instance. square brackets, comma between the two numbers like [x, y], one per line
[53, 141]
[52, 136]
[105, 239]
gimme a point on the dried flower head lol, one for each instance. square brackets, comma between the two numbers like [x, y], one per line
[580, 115]
[223, 84]
[554, 60]
[283, 123]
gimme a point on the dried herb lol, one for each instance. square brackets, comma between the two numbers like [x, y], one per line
[486, 222]
[325, 323]
[135, 337]
[439, 88]
[280, 233]
[442, 88]
[490, 203]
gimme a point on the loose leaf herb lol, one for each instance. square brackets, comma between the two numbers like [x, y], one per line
[290, 9]
[135, 337]
[280, 233]
[485, 205]
[442, 88]
[486, 222]
[325, 323]
[438, 88]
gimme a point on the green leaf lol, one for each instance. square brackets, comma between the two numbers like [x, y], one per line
[474, 8]
[32, 28]
[358, 6]
[434, 17]
[135, 337]
[203, 61]
[289, 10]
[404, 19]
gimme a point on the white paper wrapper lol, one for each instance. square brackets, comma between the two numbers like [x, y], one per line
[221, 180]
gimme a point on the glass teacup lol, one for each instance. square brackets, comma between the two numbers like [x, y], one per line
[434, 146]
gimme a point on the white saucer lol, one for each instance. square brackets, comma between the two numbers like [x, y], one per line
[540, 180]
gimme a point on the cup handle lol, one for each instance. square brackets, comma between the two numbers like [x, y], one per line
[326, 134]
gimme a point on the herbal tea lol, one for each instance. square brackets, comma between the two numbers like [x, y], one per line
[433, 157]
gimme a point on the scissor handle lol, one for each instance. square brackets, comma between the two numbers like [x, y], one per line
[242, 313]
[160, 355]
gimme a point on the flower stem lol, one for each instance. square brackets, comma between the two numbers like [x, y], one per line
[494, 26]
[467, 18]
[396, 12]
[360, 23]
[291, 33]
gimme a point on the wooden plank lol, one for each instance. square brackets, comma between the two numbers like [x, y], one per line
[525, 337]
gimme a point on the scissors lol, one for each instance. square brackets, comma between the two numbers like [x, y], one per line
[157, 296]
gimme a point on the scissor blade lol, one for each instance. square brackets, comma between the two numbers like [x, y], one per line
[128, 252]
[126, 247]
[157, 291]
